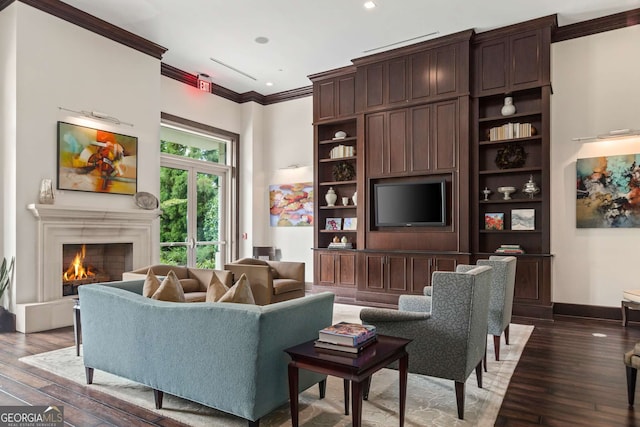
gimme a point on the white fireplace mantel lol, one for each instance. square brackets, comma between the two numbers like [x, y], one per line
[59, 225]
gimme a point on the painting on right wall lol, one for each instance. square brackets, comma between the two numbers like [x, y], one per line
[608, 192]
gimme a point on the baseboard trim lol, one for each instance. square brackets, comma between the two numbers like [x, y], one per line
[593, 311]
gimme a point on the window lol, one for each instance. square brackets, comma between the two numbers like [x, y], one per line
[197, 194]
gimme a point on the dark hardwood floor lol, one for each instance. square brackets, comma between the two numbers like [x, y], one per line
[566, 377]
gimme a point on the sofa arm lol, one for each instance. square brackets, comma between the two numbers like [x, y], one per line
[376, 315]
[259, 277]
[288, 269]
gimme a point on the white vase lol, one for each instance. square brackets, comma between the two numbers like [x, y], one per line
[355, 198]
[331, 197]
[46, 192]
[508, 108]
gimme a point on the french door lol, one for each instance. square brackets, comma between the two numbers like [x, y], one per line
[193, 225]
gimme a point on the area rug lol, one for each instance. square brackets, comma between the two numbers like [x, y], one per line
[430, 401]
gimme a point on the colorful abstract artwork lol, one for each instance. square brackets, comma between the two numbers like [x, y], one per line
[494, 221]
[608, 192]
[291, 205]
[96, 160]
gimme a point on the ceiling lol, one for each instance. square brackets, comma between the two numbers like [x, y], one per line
[306, 38]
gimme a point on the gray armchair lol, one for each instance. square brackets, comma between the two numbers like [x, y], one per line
[449, 340]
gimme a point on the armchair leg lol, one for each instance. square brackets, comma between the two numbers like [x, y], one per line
[506, 335]
[157, 396]
[496, 346]
[479, 374]
[484, 359]
[88, 373]
[255, 423]
[460, 399]
[632, 374]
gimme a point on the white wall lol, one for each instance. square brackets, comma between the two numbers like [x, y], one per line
[288, 140]
[8, 135]
[60, 64]
[596, 88]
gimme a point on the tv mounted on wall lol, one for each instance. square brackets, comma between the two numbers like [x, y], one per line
[410, 204]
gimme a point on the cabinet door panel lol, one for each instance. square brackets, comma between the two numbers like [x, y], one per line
[419, 66]
[346, 96]
[525, 64]
[375, 135]
[374, 85]
[527, 279]
[492, 60]
[327, 269]
[397, 81]
[374, 270]
[420, 274]
[446, 137]
[445, 71]
[396, 143]
[397, 273]
[347, 269]
[420, 139]
[326, 100]
[446, 264]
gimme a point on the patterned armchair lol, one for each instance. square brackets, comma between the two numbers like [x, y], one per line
[500, 303]
[449, 340]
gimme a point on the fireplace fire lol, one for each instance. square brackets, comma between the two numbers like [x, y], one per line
[93, 263]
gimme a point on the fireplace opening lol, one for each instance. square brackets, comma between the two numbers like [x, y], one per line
[94, 263]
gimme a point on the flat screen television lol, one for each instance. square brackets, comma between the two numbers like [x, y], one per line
[411, 204]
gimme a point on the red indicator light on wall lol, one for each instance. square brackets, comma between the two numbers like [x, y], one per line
[204, 82]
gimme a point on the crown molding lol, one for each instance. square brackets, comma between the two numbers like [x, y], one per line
[597, 25]
[533, 24]
[96, 25]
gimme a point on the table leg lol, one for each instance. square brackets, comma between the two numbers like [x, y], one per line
[356, 403]
[77, 326]
[346, 397]
[404, 364]
[293, 394]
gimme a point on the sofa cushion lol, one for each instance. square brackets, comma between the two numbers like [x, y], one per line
[195, 296]
[255, 261]
[239, 293]
[151, 284]
[170, 289]
[216, 290]
[281, 286]
[190, 285]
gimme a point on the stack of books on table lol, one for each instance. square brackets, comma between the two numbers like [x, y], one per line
[510, 249]
[349, 338]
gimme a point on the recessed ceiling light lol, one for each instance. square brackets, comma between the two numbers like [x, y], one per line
[261, 40]
[369, 5]
[269, 84]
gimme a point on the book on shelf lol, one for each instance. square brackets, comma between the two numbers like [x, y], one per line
[347, 334]
[334, 348]
[509, 249]
[510, 131]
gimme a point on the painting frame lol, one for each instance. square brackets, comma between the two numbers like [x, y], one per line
[608, 191]
[523, 219]
[291, 205]
[350, 224]
[95, 160]
[333, 224]
[494, 221]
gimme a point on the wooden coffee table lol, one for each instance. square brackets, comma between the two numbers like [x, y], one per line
[357, 370]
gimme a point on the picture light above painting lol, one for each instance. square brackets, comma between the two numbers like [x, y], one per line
[97, 161]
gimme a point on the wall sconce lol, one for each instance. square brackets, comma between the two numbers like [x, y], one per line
[204, 82]
[97, 115]
[613, 134]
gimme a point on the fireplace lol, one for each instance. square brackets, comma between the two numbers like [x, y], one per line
[93, 263]
[59, 227]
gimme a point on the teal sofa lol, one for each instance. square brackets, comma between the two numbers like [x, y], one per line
[223, 355]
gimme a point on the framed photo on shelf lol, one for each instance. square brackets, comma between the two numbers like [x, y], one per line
[494, 221]
[350, 224]
[333, 224]
[523, 219]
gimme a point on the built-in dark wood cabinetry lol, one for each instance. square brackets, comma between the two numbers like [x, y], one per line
[514, 62]
[426, 112]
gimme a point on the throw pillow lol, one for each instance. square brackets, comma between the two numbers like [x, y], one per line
[151, 284]
[170, 289]
[239, 293]
[216, 290]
